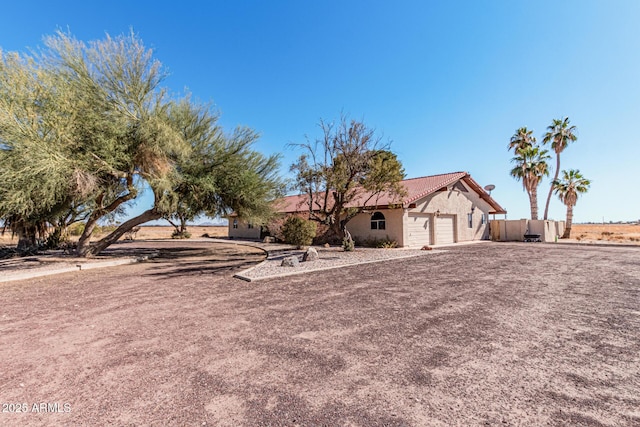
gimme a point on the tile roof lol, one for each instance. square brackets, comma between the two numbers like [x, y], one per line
[416, 189]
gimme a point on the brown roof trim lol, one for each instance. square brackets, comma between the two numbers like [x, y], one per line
[497, 209]
[296, 203]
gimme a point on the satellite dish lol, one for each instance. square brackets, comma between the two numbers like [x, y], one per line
[489, 188]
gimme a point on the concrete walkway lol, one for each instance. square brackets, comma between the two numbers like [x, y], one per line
[46, 266]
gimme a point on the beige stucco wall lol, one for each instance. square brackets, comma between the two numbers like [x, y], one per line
[243, 231]
[514, 230]
[545, 228]
[457, 203]
[452, 202]
[360, 226]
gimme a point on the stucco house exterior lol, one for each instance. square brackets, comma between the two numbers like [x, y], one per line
[241, 229]
[437, 209]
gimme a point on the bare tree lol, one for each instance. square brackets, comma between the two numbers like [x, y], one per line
[344, 172]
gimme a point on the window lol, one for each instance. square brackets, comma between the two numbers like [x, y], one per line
[250, 226]
[377, 221]
[235, 223]
[470, 219]
[483, 219]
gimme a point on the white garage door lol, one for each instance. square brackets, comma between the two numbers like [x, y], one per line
[444, 230]
[419, 232]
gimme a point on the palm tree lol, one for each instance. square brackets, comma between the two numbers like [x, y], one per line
[559, 134]
[523, 138]
[568, 189]
[531, 166]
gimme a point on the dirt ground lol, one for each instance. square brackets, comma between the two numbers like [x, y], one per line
[488, 334]
[619, 233]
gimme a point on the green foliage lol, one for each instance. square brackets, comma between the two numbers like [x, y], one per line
[85, 127]
[180, 234]
[348, 244]
[298, 231]
[572, 184]
[568, 189]
[531, 166]
[522, 139]
[559, 134]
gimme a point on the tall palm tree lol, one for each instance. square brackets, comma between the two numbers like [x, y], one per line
[531, 166]
[568, 188]
[523, 138]
[559, 134]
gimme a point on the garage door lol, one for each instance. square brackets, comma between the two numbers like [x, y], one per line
[419, 232]
[444, 230]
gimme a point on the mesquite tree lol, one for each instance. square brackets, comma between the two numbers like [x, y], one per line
[345, 172]
[87, 126]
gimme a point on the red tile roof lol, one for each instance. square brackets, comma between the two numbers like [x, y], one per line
[416, 189]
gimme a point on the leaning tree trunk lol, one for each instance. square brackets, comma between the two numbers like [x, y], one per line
[567, 227]
[555, 177]
[83, 246]
[107, 241]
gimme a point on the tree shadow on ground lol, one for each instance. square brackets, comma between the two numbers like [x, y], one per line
[200, 268]
[176, 262]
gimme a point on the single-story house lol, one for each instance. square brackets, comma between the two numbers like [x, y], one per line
[436, 210]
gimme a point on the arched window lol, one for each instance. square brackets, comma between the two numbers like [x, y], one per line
[377, 221]
[235, 223]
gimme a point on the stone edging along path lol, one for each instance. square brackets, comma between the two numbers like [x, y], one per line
[329, 258]
[68, 266]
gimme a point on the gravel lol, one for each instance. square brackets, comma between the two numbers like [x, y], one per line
[329, 258]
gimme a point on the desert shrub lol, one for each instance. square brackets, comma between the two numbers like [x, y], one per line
[607, 233]
[180, 235]
[298, 231]
[385, 243]
[76, 229]
[348, 244]
[388, 244]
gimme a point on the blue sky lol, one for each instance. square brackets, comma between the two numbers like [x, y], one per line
[448, 82]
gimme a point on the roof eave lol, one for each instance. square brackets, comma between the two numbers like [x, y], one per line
[433, 190]
[497, 209]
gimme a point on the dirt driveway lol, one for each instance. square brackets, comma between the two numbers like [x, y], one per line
[492, 334]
